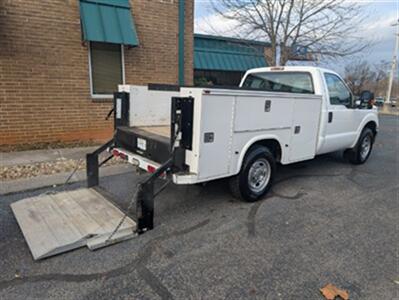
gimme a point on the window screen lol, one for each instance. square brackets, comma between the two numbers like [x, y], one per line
[338, 92]
[106, 68]
[286, 82]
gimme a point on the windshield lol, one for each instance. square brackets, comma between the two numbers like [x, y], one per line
[286, 82]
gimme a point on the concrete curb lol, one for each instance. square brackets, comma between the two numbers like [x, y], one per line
[26, 184]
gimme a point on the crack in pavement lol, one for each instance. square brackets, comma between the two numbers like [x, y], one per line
[251, 217]
[155, 284]
[144, 255]
[298, 195]
[306, 175]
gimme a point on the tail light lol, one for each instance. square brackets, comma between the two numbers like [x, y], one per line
[151, 169]
[116, 153]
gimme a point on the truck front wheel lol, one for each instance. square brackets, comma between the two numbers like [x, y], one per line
[256, 175]
[361, 152]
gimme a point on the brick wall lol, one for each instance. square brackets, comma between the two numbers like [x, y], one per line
[44, 72]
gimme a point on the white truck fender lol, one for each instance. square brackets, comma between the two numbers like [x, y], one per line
[370, 117]
[251, 142]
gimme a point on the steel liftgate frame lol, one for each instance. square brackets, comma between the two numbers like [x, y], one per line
[145, 194]
[181, 122]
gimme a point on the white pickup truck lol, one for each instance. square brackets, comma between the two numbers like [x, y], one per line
[277, 115]
[191, 135]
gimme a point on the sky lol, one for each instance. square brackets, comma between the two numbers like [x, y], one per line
[376, 29]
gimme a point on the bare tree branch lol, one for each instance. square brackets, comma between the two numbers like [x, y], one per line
[326, 27]
[360, 75]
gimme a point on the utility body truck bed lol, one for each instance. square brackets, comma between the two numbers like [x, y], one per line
[222, 125]
[162, 131]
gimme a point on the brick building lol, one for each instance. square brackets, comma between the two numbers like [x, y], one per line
[61, 59]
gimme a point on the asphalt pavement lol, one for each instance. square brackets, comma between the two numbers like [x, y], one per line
[325, 221]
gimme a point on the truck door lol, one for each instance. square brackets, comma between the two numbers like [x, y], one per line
[341, 121]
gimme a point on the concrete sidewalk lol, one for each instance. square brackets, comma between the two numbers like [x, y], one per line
[52, 159]
[388, 110]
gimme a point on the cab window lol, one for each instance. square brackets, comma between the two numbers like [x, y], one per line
[285, 82]
[337, 90]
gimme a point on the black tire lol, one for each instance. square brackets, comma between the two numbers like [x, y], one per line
[239, 184]
[356, 155]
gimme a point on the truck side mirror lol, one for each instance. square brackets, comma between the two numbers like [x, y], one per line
[367, 97]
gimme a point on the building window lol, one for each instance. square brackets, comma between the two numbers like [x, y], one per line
[218, 78]
[106, 69]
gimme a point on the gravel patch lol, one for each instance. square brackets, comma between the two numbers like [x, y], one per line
[47, 168]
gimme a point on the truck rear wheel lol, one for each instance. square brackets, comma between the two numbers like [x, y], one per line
[256, 175]
[361, 152]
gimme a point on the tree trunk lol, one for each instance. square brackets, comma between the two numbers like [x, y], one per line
[284, 56]
[270, 55]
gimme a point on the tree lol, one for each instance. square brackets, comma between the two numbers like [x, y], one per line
[360, 76]
[381, 77]
[327, 28]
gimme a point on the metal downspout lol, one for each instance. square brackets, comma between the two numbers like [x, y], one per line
[181, 40]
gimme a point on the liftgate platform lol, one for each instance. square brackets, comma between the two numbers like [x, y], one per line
[58, 222]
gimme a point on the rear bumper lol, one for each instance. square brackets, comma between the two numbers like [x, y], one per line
[150, 146]
[150, 166]
[135, 159]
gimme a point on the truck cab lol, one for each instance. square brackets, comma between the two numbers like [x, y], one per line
[341, 118]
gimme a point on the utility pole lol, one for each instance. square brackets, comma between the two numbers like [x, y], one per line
[394, 63]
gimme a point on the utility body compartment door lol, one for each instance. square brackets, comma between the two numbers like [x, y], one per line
[296, 113]
[305, 129]
[264, 113]
[215, 135]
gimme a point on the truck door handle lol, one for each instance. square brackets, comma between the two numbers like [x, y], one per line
[330, 116]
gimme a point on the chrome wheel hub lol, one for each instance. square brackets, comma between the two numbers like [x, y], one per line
[365, 147]
[259, 175]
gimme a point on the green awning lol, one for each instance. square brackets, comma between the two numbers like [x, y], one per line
[108, 21]
[227, 54]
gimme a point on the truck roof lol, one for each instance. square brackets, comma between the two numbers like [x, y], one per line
[289, 68]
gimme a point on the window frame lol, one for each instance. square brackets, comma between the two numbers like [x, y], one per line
[104, 96]
[345, 85]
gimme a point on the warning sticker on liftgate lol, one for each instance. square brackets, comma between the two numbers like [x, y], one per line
[141, 144]
[118, 108]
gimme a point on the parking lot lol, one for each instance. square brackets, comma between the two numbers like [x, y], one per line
[325, 221]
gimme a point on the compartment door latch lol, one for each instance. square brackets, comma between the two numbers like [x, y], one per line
[268, 105]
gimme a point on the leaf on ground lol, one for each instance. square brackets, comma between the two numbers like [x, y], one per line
[331, 292]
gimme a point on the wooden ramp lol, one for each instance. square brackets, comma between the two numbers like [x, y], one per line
[56, 223]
